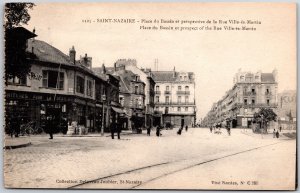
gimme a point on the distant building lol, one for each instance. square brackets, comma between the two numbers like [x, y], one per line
[250, 92]
[175, 98]
[287, 109]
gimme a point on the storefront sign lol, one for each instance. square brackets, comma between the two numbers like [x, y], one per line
[34, 76]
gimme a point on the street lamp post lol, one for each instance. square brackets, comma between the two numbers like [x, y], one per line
[103, 101]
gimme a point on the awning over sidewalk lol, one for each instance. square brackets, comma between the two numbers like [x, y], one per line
[118, 110]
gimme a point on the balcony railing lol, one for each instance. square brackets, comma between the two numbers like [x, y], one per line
[183, 92]
[268, 93]
[157, 92]
[167, 92]
[252, 93]
[255, 105]
[174, 103]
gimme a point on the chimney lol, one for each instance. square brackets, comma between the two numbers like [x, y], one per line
[115, 66]
[72, 54]
[174, 73]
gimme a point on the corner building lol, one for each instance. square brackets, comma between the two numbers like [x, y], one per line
[174, 100]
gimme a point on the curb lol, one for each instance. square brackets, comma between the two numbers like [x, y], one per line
[16, 146]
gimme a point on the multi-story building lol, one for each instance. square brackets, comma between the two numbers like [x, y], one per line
[250, 92]
[146, 76]
[132, 98]
[60, 86]
[175, 98]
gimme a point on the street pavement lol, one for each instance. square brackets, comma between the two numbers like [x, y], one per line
[190, 161]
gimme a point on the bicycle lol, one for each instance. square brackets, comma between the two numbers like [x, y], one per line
[30, 128]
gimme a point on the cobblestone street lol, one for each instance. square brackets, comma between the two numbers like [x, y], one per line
[70, 161]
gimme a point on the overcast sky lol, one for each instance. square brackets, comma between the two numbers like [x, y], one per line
[214, 56]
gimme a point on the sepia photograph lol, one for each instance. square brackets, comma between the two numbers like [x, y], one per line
[150, 96]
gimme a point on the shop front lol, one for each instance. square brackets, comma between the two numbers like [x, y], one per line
[25, 107]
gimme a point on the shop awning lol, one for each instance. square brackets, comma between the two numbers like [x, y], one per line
[118, 110]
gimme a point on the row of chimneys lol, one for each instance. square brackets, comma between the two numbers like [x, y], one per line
[86, 61]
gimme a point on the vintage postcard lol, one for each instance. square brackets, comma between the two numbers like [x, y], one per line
[186, 96]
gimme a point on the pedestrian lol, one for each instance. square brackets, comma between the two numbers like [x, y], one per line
[112, 129]
[186, 128]
[274, 133]
[179, 131]
[119, 130]
[148, 131]
[277, 134]
[158, 131]
[50, 125]
[228, 129]
[280, 129]
[210, 129]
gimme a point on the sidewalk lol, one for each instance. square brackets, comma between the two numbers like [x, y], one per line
[16, 142]
[284, 134]
[24, 141]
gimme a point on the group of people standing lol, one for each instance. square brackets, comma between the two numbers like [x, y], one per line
[227, 127]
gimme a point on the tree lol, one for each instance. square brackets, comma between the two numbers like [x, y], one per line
[16, 63]
[16, 14]
[264, 116]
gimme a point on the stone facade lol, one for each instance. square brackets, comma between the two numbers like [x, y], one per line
[175, 98]
[250, 92]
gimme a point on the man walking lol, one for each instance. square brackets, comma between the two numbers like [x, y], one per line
[50, 125]
[148, 131]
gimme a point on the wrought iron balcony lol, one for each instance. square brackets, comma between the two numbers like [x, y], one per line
[251, 93]
[183, 92]
[175, 103]
[167, 92]
[157, 92]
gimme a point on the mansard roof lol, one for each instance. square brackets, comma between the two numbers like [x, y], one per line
[267, 77]
[168, 76]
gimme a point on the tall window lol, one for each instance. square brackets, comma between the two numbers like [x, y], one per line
[89, 88]
[167, 88]
[157, 99]
[80, 84]
[245, 102]
[186, 109]
[136, 89]
[179, 88]
[179, 99]
[186, 99]
[167, 99]
[157, 88]
[178, 109]
[186, 88]
[253, 101]
[268, 101]
[52, 80]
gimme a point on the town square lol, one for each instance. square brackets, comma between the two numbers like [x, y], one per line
[113, 96]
